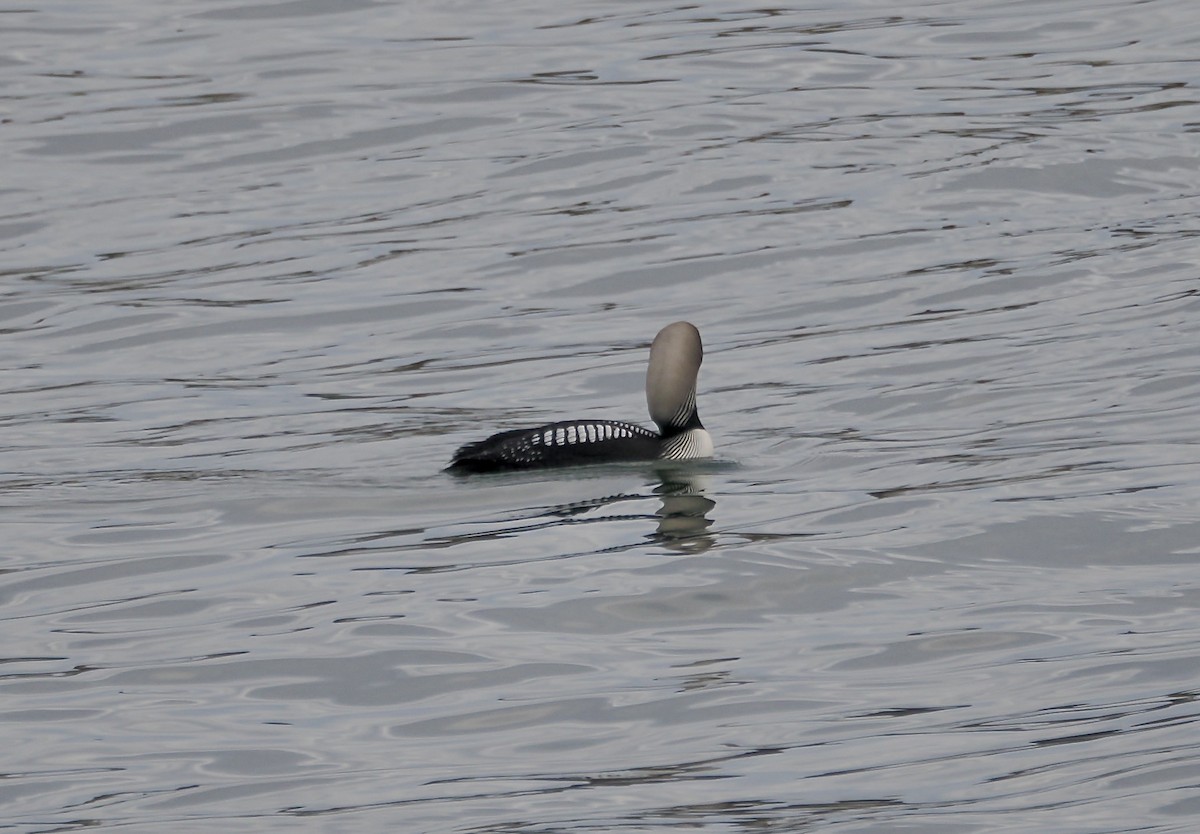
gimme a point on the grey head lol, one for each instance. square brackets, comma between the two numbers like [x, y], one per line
[675, 358]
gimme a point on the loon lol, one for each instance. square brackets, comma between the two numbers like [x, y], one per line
[675, 358]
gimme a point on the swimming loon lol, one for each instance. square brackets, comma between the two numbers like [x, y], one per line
[675, 358]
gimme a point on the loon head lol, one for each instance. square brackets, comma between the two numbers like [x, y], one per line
[675, 358]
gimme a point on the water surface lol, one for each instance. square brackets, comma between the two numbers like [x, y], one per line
[266, 265]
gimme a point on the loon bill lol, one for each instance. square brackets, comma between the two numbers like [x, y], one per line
[675, 358]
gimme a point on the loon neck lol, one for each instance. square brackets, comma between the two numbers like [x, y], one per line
[689, 422]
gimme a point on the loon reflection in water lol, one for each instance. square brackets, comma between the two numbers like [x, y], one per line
[675, 358]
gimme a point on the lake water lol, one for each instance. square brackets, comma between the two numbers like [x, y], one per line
[265, 265]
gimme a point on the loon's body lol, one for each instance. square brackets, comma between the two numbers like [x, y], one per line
[675, 359]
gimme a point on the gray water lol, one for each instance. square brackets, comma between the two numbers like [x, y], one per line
[265, 265]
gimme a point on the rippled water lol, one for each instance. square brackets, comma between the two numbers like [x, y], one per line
[265, 266]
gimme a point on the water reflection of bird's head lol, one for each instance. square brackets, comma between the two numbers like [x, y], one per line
[683, 520]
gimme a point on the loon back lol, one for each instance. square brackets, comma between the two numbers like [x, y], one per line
[675, 358]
